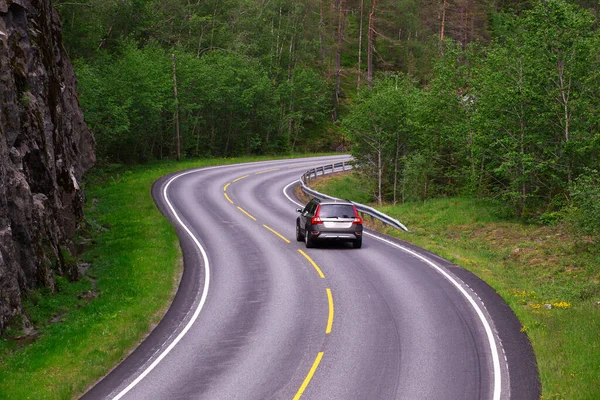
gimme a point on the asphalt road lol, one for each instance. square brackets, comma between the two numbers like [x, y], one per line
[259, 316]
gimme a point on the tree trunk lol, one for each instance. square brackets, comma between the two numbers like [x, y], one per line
[212, 137]
[464, 16]
[177, 137]
[523, 184]
[443, 25]
[278, 48]
[564, 87]
[321, 31]
[396, 162]
[291, 47]
[379, 175]
[360, 33]
[371, 43]
[338, 58]
[596, 11]
[472, 155]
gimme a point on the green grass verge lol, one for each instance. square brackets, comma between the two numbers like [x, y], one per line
[548, 276]
[88, 326]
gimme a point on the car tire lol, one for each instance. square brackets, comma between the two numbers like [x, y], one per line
[308, 240]
[357, 243]
[299, 236]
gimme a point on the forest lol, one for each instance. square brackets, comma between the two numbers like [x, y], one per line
[491, 98]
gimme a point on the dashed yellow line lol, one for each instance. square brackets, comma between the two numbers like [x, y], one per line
[264, 172]
[328, 329]
[301, 165]
[312, 262]
[276, 233]
[330, 319]
[309, 376]
[242, 210]
[240, 178]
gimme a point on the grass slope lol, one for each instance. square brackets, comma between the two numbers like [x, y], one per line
[549, 277]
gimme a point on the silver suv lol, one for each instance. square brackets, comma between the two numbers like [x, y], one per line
[322, 220]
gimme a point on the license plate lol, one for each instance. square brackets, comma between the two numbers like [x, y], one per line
[337, 225]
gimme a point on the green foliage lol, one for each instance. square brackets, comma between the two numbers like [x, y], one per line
[124, 98]
[534, 103]
[416, 177]
[506, 107]
[379, 127]
[514, 120]
[303, 100]
[244, 85]
[226, 105]
[585, 207]
[443, 114]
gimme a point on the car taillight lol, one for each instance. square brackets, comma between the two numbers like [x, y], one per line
[316, 220]
[357, 219]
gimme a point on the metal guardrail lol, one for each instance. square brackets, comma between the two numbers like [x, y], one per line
[339, 167]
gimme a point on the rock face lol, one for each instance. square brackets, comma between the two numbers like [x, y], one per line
[45, 148]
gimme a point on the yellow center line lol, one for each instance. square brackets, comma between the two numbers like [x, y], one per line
[330, 319]
[313, 263]
[240, 178]
[275, 232]
[226, 186]
[228, 199]
[301, 165]
[264, 172]
[242, 210]
[309, 376]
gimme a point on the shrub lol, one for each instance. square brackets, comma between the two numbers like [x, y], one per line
[584, 212]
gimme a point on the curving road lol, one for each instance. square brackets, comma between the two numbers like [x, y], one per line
[259, 316]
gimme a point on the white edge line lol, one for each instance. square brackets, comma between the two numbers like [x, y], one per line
[480, 314]
[200, 305]
[206, 280]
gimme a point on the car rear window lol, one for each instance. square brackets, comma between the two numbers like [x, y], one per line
[336, 210]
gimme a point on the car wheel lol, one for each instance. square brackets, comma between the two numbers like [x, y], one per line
[357, 243]
[308, 240]
[299, 236]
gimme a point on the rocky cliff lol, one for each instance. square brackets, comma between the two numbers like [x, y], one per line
[45, 148]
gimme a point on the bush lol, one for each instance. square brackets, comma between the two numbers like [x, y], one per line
[416, 182]
[584, 212]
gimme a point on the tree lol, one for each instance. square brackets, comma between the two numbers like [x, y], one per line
[563, 45]
[125, 99]
[371, 43]
[228, 102]
[534, 102]
[303, 101]
[379, 127]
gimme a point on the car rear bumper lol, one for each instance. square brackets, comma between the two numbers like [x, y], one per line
[337, 236]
